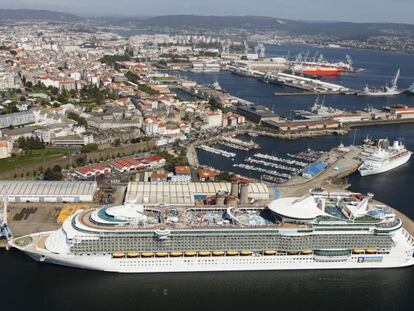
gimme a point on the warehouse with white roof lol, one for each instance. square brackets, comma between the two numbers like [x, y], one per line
[186, 193]
[48, 191]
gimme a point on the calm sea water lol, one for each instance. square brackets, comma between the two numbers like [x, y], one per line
[28, 285]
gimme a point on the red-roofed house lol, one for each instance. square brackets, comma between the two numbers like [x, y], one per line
[158, 177]
[133, 164]
[182, 170]
[207, 175]
[92, 170]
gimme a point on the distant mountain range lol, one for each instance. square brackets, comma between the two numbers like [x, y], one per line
[30, 15]
[263, 23]
[342, 30]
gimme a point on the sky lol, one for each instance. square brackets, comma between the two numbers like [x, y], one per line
[400, 11]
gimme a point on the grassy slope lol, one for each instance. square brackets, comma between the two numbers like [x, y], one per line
[34, 156]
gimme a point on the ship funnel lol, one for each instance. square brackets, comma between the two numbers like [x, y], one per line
[234, 189]
[244, 193]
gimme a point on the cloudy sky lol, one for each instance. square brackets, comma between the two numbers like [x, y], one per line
[345, 10]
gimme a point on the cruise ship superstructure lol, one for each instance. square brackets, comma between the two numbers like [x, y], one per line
[318, 231]
[385, 158]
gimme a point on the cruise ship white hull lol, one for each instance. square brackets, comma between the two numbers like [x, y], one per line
[400, 256]
[387, 166]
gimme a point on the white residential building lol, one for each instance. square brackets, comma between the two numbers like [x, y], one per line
[7, 82]
[213, 119]
[6, 147]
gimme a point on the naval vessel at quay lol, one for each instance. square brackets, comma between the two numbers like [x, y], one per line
[321, 230]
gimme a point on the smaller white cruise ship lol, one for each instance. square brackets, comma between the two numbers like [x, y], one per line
[385, 158]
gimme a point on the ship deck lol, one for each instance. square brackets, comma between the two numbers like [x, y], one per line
[194, 218]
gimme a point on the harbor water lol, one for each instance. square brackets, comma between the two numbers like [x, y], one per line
[29, 285]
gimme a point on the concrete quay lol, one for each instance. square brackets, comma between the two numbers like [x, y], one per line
[311, 93]
[340, 165]
[380, 122]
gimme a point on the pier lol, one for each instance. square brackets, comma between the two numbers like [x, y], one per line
[238, 142]
[339, 165]
[379, 122]
[217, 151]
[310, 93]
[291, 80]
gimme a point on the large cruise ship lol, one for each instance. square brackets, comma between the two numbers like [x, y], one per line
[385, 158]
[318, 231]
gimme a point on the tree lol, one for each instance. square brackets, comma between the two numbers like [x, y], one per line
[140, 139]
[147, 89]
[132, 77]
[54, 90]
[214, 104]
[80, 161]
[28, 143]
[80, 120]
[92, 92]
[53, 174]
[89, 148]
[110, 60]
[224, 176]
[117, 142]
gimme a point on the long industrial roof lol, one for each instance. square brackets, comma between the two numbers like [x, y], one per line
[171, 193]
[47, 188]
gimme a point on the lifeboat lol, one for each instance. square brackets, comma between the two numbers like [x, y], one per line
[246, 253]
[118, 255]
[176, 254]
[371, 250]
[306, 252]
[218, 253]
[357, 251]
[269, 252]
[190, 254]
[232, 253]
[204, 254]
[161, 254]
[293, 252]
[147, 254]
[133, 255]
